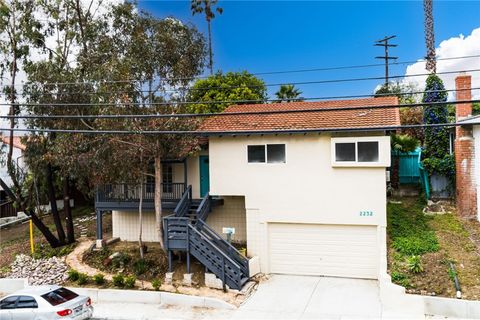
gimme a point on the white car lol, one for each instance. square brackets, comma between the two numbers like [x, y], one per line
[45, 303]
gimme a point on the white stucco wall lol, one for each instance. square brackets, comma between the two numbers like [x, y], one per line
[476, 136]
[17, 157]
[305, 189]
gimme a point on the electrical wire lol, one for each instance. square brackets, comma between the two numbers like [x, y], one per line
[257, 73]
[183, 89]
[173, 103]
[239, 113]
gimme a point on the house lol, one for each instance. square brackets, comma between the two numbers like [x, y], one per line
[467, 151]
[17, 156]
[7, 209]
[302, 185]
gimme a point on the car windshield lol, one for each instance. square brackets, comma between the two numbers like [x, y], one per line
[59, 296]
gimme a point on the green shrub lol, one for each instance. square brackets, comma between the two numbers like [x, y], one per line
[400, 279]
[417, 244]
[130, 282]
[99, 279]
[156, 284]
[118, 280]
[409, 230]
[414, 264]
[82, 278]
[140, 267]
[73, 275]
[121, 260]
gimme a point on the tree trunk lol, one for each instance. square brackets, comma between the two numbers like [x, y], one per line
[53, 204]
[210, 47]
[68, 211]
[140, 220]
[158, 199]
[52, 240]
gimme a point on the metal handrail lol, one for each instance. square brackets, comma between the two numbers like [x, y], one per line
[201, 225]
[183, 205]
[203, 208]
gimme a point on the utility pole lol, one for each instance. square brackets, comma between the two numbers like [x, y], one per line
[384, 43]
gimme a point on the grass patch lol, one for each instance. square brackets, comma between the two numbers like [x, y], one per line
[409, 230]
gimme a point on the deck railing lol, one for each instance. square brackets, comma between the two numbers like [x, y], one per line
[7, 209]
[131, 192]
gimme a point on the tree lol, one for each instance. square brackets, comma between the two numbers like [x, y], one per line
[22, 32]
[429, 35]
[206, 7]
[231, 86]
[436, 142]
[406, 94]
[288, 93]
[143, 59]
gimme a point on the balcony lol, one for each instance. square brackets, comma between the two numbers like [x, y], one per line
[127, 196]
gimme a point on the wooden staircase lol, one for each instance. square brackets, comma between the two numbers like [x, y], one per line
[187, 230]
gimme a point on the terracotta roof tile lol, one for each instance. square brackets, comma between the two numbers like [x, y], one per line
[337, 119]
[17, 142]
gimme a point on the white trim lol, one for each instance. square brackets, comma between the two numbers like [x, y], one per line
[383, 152]
[265, 154]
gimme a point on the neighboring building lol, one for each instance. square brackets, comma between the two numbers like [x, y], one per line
[18, 158]
[304, 189]
[467, 152]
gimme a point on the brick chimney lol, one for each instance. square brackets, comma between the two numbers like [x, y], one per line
[466, 190]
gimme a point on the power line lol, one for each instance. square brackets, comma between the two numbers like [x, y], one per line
[252, 101]
[256, 73]
[229, 114]
[239, 132]
[265, 85]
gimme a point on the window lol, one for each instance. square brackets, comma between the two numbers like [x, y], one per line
[256, 154]
[368, 151]
[275, 153]
[167, 178]
[8, 303]
[59, 296]
[26, 302]
[345, 151]
[359, 151]
[270, 153]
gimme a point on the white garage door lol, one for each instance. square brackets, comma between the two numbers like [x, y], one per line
[330, 250]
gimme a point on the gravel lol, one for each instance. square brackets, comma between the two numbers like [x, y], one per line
[39, 271]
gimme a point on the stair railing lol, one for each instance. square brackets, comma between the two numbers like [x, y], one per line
[204, 208]
[183, 205]
[229, 271]
[227, 247]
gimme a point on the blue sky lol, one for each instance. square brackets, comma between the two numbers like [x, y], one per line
[261, 36]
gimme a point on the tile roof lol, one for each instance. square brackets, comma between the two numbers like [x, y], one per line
[322, 120]
[17, 141]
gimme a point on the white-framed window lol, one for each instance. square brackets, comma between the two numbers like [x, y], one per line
[361, 151]
[266, 153]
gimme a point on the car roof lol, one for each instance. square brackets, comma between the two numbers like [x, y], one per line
[37, 290]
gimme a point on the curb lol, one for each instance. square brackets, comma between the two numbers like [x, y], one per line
[152, 297]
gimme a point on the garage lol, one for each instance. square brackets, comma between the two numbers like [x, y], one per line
[327, 250]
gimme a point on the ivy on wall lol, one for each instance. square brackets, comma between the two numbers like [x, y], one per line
[436, 152]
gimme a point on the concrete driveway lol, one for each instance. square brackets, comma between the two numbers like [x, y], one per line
[303, 297]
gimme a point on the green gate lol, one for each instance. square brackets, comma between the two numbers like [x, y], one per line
[409, 169]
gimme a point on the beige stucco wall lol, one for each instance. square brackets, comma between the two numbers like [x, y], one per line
[305, 189]
[230, 214]
[125, 225]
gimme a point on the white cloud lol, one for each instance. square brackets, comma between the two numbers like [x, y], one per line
[454, 47]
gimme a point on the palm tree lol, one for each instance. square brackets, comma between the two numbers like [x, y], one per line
[429, 35]
[206, 6]
[287, 93]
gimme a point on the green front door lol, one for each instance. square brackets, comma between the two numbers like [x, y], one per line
[204, 175]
